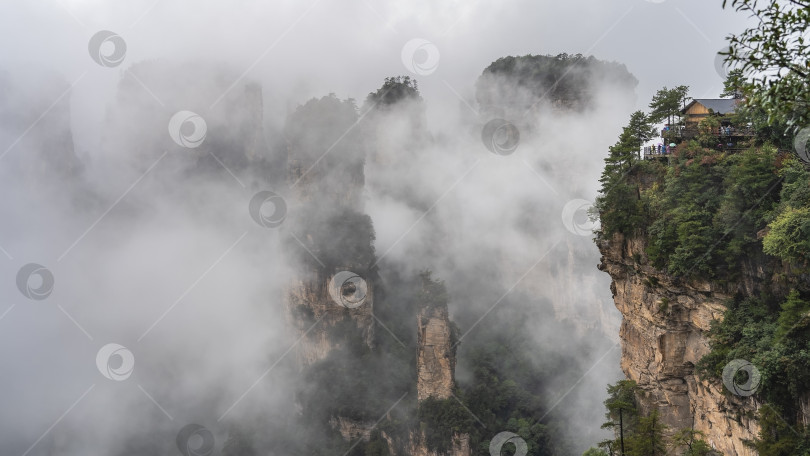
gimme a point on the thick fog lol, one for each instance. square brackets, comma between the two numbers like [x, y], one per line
[138, 213]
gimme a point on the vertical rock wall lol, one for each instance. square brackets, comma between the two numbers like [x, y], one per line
[663, 335]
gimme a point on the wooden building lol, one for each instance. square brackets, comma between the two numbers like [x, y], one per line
[700, 108]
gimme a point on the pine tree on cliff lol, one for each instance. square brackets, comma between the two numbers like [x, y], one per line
[648, 440]
[622, 414]
[618, 204]
[666, 104]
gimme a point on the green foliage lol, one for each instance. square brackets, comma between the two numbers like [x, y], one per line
[734, 85]
[621, 396]
[518, 83]
[706, 216]
[622, 412]
[666, 104]
[779, 438]
[335, 238]
[394, 90]
[619, 204]
[643, 435]
[707, 129]
[507, 380]
[640, 128]
[647, 439]
[789, 236]
[699, 448]
[440, 419]
[774, 52]
[793, 315]
[501, 396]
[771, 333]
[376, 446]
[690, 441]
[796, 187]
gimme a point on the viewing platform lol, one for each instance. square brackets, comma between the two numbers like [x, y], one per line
[692, 131]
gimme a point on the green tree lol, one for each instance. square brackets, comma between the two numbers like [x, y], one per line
[774, 52]
[691, 442]
[619, 205]
[640, 128]
[789, 236]
[667, 103]
[794, 310]
[776, 436]
[734, 85]
[394, 90]
[622, 414]
[648, 440]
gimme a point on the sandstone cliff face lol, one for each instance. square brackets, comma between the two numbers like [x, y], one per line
[436, 358]
[663, 335]
[435, 370]
[329, 236]
[351, 430]
[312, 312]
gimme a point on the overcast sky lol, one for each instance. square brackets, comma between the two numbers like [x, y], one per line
[310, 48]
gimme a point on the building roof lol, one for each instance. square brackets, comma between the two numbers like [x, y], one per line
[718, 105]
